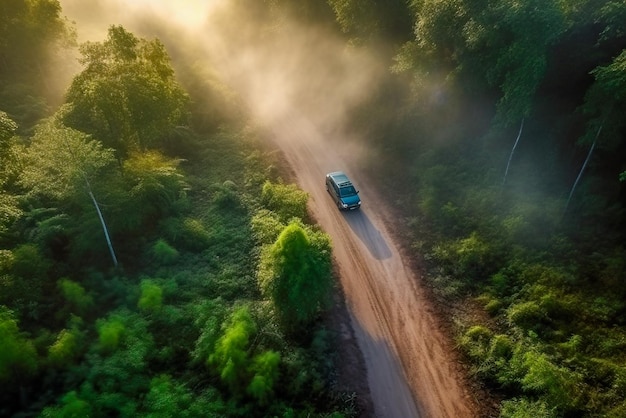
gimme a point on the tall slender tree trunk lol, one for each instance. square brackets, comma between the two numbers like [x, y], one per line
[580, 173]
[519, 135]
[104, 226]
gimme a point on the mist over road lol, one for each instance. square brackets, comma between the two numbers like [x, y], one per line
[299, 83]
[410, 370]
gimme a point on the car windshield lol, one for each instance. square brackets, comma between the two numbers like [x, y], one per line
[347, 191]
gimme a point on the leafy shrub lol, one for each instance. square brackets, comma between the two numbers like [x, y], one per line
[110, 333]
[476, 341]
[501, 347]
[524, 408]
[558, 385]
[151, 299]
[527, 315]
[66, 347]
[75, 295]
[186, 233]
[469, 258]
[264, 368]
[163, 252]
[116, 379]
[295, 273]
[30, 269]
[287, 200]
[226, 195]
[166, 398]
[71, 406]
[209, 316]
[493, 307]
[231, 355]
[266, 226]
[18, 357]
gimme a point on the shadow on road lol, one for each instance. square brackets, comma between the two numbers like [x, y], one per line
[367, 232]
[391, 394]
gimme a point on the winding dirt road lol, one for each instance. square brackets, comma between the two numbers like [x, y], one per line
[411, 372]
[283, 76]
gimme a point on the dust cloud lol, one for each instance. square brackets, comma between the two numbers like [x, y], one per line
[277, 65]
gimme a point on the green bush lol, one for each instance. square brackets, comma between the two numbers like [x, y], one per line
[525, 408]
[469, 259]
[66, 347]
[231, 355]
[71, 407]
[226, 195]
[264, 369]
[76, 296]
[527, 315]
[151, 299]
[287, 200]
[266, 226]
[476, 341]
[186, 233]
[558, 385]
[295, 273]
[493, 307]
[18, 358]
[163, 252]
[501, 347]
[110, 333]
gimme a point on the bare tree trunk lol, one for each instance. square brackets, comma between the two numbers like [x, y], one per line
[580, 173]
[104, 226]
[519, 135]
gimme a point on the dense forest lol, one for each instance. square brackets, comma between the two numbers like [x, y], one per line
[506, 161]
[154, 262]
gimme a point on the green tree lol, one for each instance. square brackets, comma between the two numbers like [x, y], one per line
[9, 210]
[72, 406]
[18, 358]
[110, 332]
[286, 200]
[365, 20]
[116, 367]
[295, 273]
[76, 296]
[149, 189]
[518, 35]
[7, 130]
[504, 44]
[231, 350]
[151, 299]
[264, 369]
[84, 159]
[126, 95]
[605, 103]
[32, 32]
[66, 347]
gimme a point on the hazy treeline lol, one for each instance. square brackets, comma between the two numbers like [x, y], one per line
[501, 131]
[152, 261]
[499, 126]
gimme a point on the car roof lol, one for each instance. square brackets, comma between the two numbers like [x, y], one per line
[340, 178]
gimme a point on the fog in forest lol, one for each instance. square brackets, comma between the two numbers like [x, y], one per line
[276, 66]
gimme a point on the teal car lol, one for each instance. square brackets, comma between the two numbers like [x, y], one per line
[343, 192]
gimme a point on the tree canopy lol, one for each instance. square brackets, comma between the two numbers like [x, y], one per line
[126, 95]
[296, 275]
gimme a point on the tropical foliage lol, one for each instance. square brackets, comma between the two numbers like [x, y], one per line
[127, 273]
[153, 263]
[507, 153]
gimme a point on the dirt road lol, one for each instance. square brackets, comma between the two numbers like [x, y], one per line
[410, 370]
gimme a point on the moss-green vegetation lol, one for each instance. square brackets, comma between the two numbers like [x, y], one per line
[507, 100]
[128, 275]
